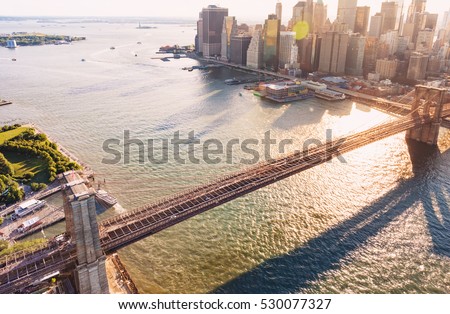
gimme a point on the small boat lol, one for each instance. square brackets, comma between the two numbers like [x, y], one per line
[190, 69]
[232, 81]
[112, 48]
[82, 60]
[13, 59]
[329, 95]
[139, 43]
[135, 54]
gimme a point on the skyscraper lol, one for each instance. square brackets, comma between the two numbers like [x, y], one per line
[355, 55]
[229, 29]
[347, 12]
[391, 38]
[417, 68]
[362, 20]
[298, 13]
[271, 36]
[199, 37]
[309, 52]
[279, 10]
[333, 53]
[320, 17]
[389, 14]
[255, 51]
[303, 11]
[425, 40]
[212, 17]
[288, 50]
[238, 48]
[416, 6]
[375, 25]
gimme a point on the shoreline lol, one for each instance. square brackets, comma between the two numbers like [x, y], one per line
[361, 98]
[119, 279]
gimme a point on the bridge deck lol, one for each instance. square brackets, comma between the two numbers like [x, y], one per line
[132, 226]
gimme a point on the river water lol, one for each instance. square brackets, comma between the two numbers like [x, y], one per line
[376, 223]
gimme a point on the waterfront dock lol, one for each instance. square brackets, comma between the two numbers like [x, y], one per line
[105, 199]
[245, 69]
[53, 188]
[381, 104]
[47, 216]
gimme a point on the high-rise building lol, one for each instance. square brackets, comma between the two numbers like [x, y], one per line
[418, 20]
[391, 39]
[320, 17]
[445, 20]
[389, 14]
[199, 37]
[238, 48]
[271, 37]
[309, 53]
[255, 50]
[333, 53]
[212, 29]
[416, 6]
[355, 55]
[370, 55]
[347, 12]
[279, 10]
[288, 50]
[403, 44]
[387, 69]
[298, 13]
[229, 29]
[375, 25]
[425, 40]
[362, 20]
[303, 11]
[428, 20]
[417, 66]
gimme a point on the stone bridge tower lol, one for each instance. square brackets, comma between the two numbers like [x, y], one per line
[428, 101]
[82, 227]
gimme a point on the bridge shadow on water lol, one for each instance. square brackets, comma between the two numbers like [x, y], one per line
[302, 266]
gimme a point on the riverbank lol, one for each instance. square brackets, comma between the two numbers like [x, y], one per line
[119, 279]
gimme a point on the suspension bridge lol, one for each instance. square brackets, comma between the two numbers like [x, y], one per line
[82, 248]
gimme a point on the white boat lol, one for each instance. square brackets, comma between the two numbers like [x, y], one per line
[311, 85]
[330, 95]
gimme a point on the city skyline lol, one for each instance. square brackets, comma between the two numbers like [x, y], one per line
[248, 11]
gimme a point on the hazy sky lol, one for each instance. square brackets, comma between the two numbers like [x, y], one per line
[244, 10]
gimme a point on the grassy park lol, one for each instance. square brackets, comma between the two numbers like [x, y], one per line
[29, 158]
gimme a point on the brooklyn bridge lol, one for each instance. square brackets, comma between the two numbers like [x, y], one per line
[82, 249]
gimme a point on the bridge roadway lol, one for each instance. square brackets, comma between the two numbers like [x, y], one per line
[124, 229]
[21, 270]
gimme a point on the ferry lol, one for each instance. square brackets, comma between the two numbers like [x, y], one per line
[329, 95]
[287, 92]
[311, 85]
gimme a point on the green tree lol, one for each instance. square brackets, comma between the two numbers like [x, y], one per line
[5, 167]
[3, 245]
